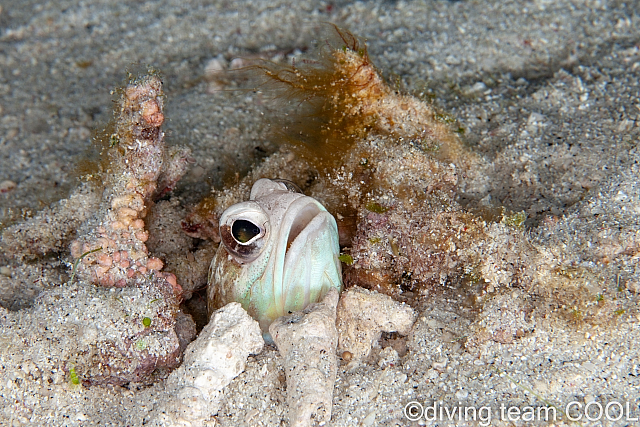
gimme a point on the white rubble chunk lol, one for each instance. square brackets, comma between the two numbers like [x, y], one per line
[362, 316]
[216, 357]
[307, 341]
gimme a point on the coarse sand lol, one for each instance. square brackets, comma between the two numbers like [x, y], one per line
[547, 92]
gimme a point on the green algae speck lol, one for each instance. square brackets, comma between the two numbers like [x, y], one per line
[73, 376]
[346, 258]
[376, 208]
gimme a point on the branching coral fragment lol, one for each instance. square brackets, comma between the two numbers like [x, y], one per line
[136, 165]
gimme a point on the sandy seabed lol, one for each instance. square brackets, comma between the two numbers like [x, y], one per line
[547, 93]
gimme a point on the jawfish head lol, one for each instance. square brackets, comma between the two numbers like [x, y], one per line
[278, 253]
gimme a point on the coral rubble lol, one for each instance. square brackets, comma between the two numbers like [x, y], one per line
[362, 317]
[215, 358]
[113, 251]
[307, 342]
[129, 328]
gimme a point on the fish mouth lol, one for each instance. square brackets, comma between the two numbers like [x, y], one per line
[308, 254]
[300, 224]
[306, 249]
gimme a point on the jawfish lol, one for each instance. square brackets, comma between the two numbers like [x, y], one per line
[278, 253]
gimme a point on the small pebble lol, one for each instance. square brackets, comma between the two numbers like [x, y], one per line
[118, 202]
[143, 236]
[440, 365]
[137, 224]
[237, 63]
[149, 108]
[370, 419]
[171, 279]
[6, 186]
[100, 271]
[104, 260]
[76, 249]
[154, 264]
[251, 415]
[462, 394]
[126, 213]
[117, 225]
[214, 66]
[102, 242]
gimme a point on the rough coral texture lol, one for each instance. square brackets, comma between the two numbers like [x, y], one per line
[99, 333]
[113, 251]
[414, 240]
[168, 241]
[307, 342]
[411, 234]
[130, 329]
[210, 363]
[362, 317]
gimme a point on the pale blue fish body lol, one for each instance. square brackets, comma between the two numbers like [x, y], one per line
[278, 253]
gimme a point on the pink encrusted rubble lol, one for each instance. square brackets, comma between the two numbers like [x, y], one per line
[113, 252]
[137, 331]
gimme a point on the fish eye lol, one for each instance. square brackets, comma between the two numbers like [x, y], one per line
[243, 230]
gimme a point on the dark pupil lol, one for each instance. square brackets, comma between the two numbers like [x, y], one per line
[243, 230]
